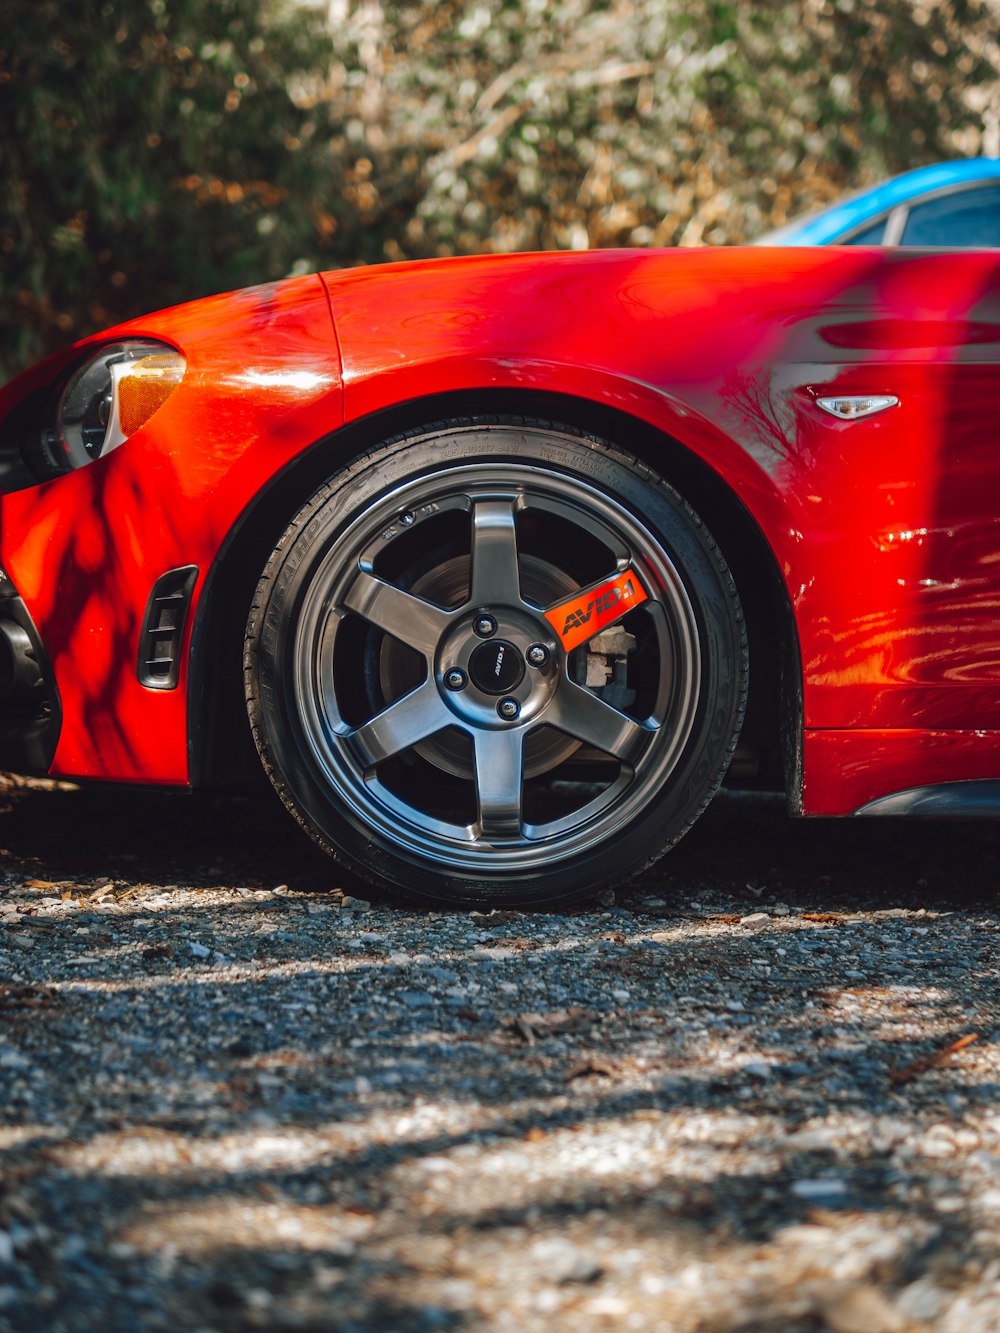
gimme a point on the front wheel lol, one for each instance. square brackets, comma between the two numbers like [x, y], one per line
[496, 662]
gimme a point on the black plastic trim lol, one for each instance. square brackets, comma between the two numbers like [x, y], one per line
[162, 631]
[947, 800]
[31, 718]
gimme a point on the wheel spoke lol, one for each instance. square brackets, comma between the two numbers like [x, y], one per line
[495, 577]
[408, 721]
[499, 779]
[410, 619]
[583, 715]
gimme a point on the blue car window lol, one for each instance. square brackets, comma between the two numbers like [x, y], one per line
[965, 218]
[869, 236]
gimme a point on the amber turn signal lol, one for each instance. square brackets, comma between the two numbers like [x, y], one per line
[144, 386]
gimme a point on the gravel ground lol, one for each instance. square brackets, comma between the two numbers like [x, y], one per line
[736, 1099]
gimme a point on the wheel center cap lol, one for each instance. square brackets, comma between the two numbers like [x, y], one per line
[496, 667]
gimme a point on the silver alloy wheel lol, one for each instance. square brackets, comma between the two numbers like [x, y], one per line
[477, 822]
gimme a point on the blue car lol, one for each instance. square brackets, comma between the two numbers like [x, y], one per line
[950, 204]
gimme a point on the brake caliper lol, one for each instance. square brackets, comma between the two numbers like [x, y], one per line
[607, 665]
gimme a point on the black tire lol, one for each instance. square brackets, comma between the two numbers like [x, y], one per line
[531, 780]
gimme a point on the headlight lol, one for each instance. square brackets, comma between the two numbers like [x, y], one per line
[110, 396]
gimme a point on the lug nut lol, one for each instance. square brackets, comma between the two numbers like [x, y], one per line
[508, 709]
[485, 626]
[406, 520]
[537, 655]
[455, 679]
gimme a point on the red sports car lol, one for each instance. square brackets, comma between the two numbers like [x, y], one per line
[500, 564]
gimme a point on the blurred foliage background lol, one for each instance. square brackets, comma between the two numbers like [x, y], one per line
[157, 150]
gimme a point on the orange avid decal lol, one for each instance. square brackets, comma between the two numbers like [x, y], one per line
[588, 612]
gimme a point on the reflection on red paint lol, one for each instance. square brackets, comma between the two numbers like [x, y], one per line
[886, 530]
[844, 770]
[263, 383]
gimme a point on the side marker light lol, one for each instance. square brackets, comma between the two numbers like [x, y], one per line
[848, 407]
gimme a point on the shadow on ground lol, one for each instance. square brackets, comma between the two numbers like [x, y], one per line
[744, 845]
[322, 1121]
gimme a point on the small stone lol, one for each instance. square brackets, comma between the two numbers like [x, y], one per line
[735, 1006]
[757, 1069]
[796, 1069]
[819, 1139]
[825, 1192]
[444, 975]
[987, 1162]
[349, 904]
[935, 1147]
[583, 1269]
[435, 1316]
[755, 919]
[860, 1309]
[197, 950]
[72, 1247]
[846, 1053]
[497, 917]
[414, 999]
[564, 1262]
[921, 1301]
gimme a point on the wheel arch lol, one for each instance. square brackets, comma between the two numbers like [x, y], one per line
[220, 747]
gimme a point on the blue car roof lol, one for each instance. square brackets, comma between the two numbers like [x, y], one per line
[823, 228]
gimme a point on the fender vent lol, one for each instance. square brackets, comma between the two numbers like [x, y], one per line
[163, 628]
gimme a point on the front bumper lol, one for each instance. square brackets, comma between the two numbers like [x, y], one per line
[30, 714]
